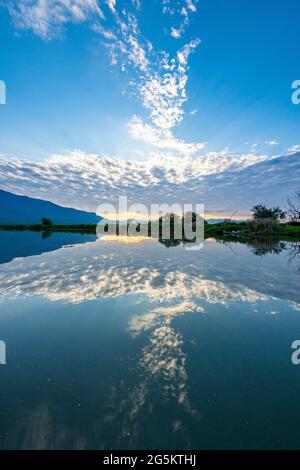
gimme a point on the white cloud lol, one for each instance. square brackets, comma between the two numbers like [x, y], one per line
[184, 53]
[191, 5]
[184, 12]
[164, 90]
[294, 148]
[45, 17]
[181, 20]
[162, 84]
[129, 47]
[106, 33]
[112, 5]
[176, 33]
[164, 96]
[162, 139]
[272, 142]
[160, 79]
[85, 181]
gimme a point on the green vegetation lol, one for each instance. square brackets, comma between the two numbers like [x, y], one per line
[250, 230]
[82, 228]
[219, 230]
[262, 212]
[46, 222]
[267, 223]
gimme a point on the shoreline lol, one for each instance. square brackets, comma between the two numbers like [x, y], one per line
[229, 232]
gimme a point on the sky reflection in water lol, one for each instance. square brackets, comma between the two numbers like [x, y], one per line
[141, 346]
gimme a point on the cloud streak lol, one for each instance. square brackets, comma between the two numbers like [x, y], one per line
[82, 180]
[164, 140]
[160, 79]
[179, 11]
[46, 17]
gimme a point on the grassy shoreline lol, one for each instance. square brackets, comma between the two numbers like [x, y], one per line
[228, 231]
[82, 228]
[241, 230]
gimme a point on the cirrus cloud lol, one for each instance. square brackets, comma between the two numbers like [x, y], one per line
[160, 78]
[46, 17]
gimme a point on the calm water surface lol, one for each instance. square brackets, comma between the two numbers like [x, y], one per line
[129, 346]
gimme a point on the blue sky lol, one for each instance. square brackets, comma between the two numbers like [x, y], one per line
[156, 80]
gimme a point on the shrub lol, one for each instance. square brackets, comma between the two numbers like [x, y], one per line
[262, 212]
[46, 222]
[263, 225]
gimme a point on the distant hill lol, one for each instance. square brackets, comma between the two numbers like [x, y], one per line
[16, 209]
[221, 221]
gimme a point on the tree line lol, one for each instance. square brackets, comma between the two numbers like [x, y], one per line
[276, 214]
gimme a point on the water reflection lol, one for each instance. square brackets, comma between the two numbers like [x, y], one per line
[294, 255]
[164, 287]
[15, 244]
[265, 246]
[162, 363]
[215, 274]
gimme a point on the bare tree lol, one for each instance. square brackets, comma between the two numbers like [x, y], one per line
[294, 254]
[294, 207]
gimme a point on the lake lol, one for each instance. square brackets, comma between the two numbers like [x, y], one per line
[140, 346]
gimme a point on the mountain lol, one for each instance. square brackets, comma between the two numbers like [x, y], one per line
[16, 209]
[221, 221]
